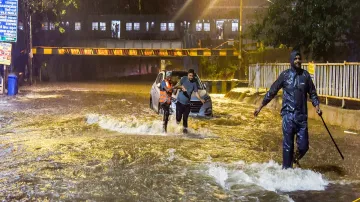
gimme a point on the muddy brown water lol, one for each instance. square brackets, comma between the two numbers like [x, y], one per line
[101, 142]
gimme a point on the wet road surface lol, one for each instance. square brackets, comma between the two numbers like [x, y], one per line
[101, 142]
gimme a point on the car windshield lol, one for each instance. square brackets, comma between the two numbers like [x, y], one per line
[176, 76]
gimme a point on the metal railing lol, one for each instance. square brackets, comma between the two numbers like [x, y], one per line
[333, 80]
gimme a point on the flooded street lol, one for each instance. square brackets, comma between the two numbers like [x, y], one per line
[102, 142]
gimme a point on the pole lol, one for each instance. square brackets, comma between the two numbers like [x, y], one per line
[332, 138]
[240, 40]
[2, 82]
[30, 50]
[40, 77]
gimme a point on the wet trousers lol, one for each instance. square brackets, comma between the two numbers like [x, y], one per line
[182, 111]
[166, 115]
[292, 125]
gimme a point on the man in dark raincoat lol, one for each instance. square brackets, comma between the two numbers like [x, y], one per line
[296, 84]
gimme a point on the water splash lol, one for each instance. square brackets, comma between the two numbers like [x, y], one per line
[269, 176]
[287, 197]
[220, 175]
[130, 125]
[137, 126]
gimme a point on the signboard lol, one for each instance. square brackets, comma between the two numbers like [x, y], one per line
[5, 53]
[8, 20]
[311, 69]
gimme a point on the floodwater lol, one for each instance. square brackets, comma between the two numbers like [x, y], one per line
[101, 142]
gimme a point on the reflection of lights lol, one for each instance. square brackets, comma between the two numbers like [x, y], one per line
[208, 8]
[21, 26]
[181, 11]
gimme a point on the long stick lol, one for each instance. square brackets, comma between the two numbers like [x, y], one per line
[332, 138]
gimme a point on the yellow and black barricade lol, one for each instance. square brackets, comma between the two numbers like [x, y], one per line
[133, 52]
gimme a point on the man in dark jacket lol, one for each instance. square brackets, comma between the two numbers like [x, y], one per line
[296, 84]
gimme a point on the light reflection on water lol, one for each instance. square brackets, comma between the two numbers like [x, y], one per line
[66, 144]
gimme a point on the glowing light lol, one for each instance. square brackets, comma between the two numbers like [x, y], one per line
[208, 8]
[181, 11]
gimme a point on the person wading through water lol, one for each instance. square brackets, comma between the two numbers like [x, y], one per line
[188, 85]
[296, 84]
[166, 90]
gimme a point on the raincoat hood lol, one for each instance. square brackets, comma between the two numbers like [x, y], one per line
[292, 59]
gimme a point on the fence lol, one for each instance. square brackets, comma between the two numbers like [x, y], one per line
[332, 80]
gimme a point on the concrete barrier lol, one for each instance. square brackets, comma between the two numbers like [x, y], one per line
[2, 85]
[223, 86]
[345, 118]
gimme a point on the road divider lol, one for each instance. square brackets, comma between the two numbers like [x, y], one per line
[223, 86]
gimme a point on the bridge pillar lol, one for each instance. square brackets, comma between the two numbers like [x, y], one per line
[191, 63]
[162, 64]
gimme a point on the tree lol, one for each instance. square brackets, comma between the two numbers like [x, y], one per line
[55, 9]
[314, 26]
[216, 67]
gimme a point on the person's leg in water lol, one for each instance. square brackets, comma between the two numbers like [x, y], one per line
[185, 117]
[302, 141]
[166, 109]
[288, 126]
[179, 112]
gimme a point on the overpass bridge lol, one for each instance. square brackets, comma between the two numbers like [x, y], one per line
[128, 58]
[81, 63]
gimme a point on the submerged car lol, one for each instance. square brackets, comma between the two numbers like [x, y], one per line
[197, 108]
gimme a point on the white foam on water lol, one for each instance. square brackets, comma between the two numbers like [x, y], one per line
[350, 132]
[287, 197]
[38, 96]
[172, 155]
[125, 101]
[220, 174]
[269, 176]
[4, 103]
[79, 90]
[130, 125]
[345, 182]
[133, 125]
